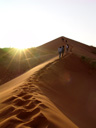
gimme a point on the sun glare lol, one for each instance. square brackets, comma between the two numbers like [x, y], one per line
[21, 49]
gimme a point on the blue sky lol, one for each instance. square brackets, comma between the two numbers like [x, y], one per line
[30, 23]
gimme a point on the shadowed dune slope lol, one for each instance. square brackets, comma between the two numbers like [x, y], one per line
[71, 85]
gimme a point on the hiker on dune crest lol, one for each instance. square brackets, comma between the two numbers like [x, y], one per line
[62, 50]
[67, 48]
[59, 51]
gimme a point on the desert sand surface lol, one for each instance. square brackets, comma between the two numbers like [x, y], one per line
[23, 104]
[60, 93]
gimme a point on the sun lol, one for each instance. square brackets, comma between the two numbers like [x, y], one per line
[20, 48]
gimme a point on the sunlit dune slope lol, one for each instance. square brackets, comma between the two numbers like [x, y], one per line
[23, 104]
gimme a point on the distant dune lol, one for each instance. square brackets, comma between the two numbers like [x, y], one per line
[59, 93]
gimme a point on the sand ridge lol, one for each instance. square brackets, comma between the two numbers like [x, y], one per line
[27, 107]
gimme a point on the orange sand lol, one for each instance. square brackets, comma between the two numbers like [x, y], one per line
[55, 94]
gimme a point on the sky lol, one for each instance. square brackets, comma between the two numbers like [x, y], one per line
[31, 23]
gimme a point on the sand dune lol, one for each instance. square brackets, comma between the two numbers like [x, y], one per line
[29, 107]
[59, 93]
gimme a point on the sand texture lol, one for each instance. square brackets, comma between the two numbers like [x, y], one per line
[59, 93]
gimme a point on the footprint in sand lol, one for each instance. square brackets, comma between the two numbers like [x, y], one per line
[31, 105]
[10, 99]
[43, 106]
[18, 110]
[22, 93]
[39, 121]
[25, 88]
[25, 115]
[35, 89]
[26, 97]
[36, 102]
[20, 102]
[31, 86]
[11, 122]
[30, 80]
[7, 111]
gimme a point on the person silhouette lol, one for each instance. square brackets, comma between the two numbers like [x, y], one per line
[67, 47]
[62, 50]
[59, 51]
